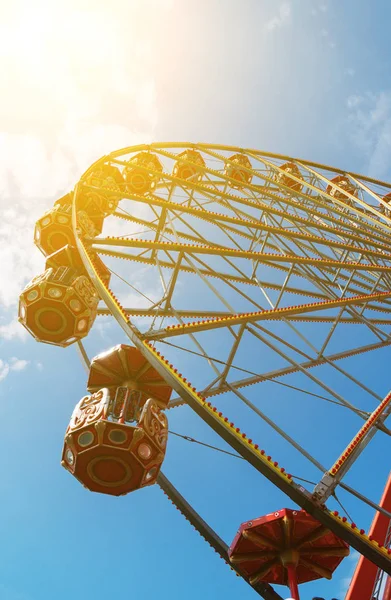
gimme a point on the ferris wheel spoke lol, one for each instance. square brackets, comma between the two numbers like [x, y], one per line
[319, 178]
[358, 279]
[310, 186]
[213, 385]
[374, 329]
[198, 345]
[313, 220]
[208, 273]
[364, 499]
[316, 220]
[256, 205]
[229, 252]
[318, 381]
[319, 354]
[229, 283]
[309, 456]
[349, 376]
[304, 369]
[173, 280]
[300, 496]
[168, 312]
[85, 361]
[237, 243]
[334, 475]
[280, 313]
[223, 383]
[324, 282]
[227, 260]
[323, 241]
[219, 546]
[215, 389]
[316, 189]
[228, 230]
[134, 288]
[191, 314]
[374, 195]
[271, 375]
[351, 198]
[232, 353]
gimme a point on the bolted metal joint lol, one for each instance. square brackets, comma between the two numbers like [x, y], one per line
[324, 488]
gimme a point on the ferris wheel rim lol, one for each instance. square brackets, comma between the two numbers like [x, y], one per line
[228, 148]
[111, 305]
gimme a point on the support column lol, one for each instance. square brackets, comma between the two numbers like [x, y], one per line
[387, 590]
[364, 577]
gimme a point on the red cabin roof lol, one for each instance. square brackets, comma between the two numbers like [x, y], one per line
[125, 366]
[263, 546]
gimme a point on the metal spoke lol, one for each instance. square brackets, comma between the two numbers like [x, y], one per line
[228, 248]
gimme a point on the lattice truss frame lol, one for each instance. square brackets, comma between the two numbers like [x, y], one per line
[257, 262]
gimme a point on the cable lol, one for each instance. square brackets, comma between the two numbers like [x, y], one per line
[292, 387]
[343, 508]
[190, 439]
[131, 286]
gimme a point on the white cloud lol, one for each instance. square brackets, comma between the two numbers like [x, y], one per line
[103, 326]
[282, 18]
[85, 99]
[4, 369]
[11, 330]
[322, 8]
[354, 101]
[14, 364]
[18, 364]
[370, 129]
[326, 35]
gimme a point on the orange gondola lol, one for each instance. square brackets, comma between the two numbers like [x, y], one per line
[236, 170]
[188, 165]
[58, 307]
[285, 178]
[345, 184]
[108, 449]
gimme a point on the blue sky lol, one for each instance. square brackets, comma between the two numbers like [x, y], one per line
[81, 79]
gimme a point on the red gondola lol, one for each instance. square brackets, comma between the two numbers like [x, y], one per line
[287, 547]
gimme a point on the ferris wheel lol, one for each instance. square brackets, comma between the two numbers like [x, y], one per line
[242, 267]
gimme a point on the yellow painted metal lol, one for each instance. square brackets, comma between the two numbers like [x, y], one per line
[343, 247]
[229, 252]
[354, 447]
[271, 469]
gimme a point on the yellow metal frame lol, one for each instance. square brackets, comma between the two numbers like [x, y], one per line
[369, 231]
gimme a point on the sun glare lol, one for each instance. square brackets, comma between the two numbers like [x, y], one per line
[56, 38]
